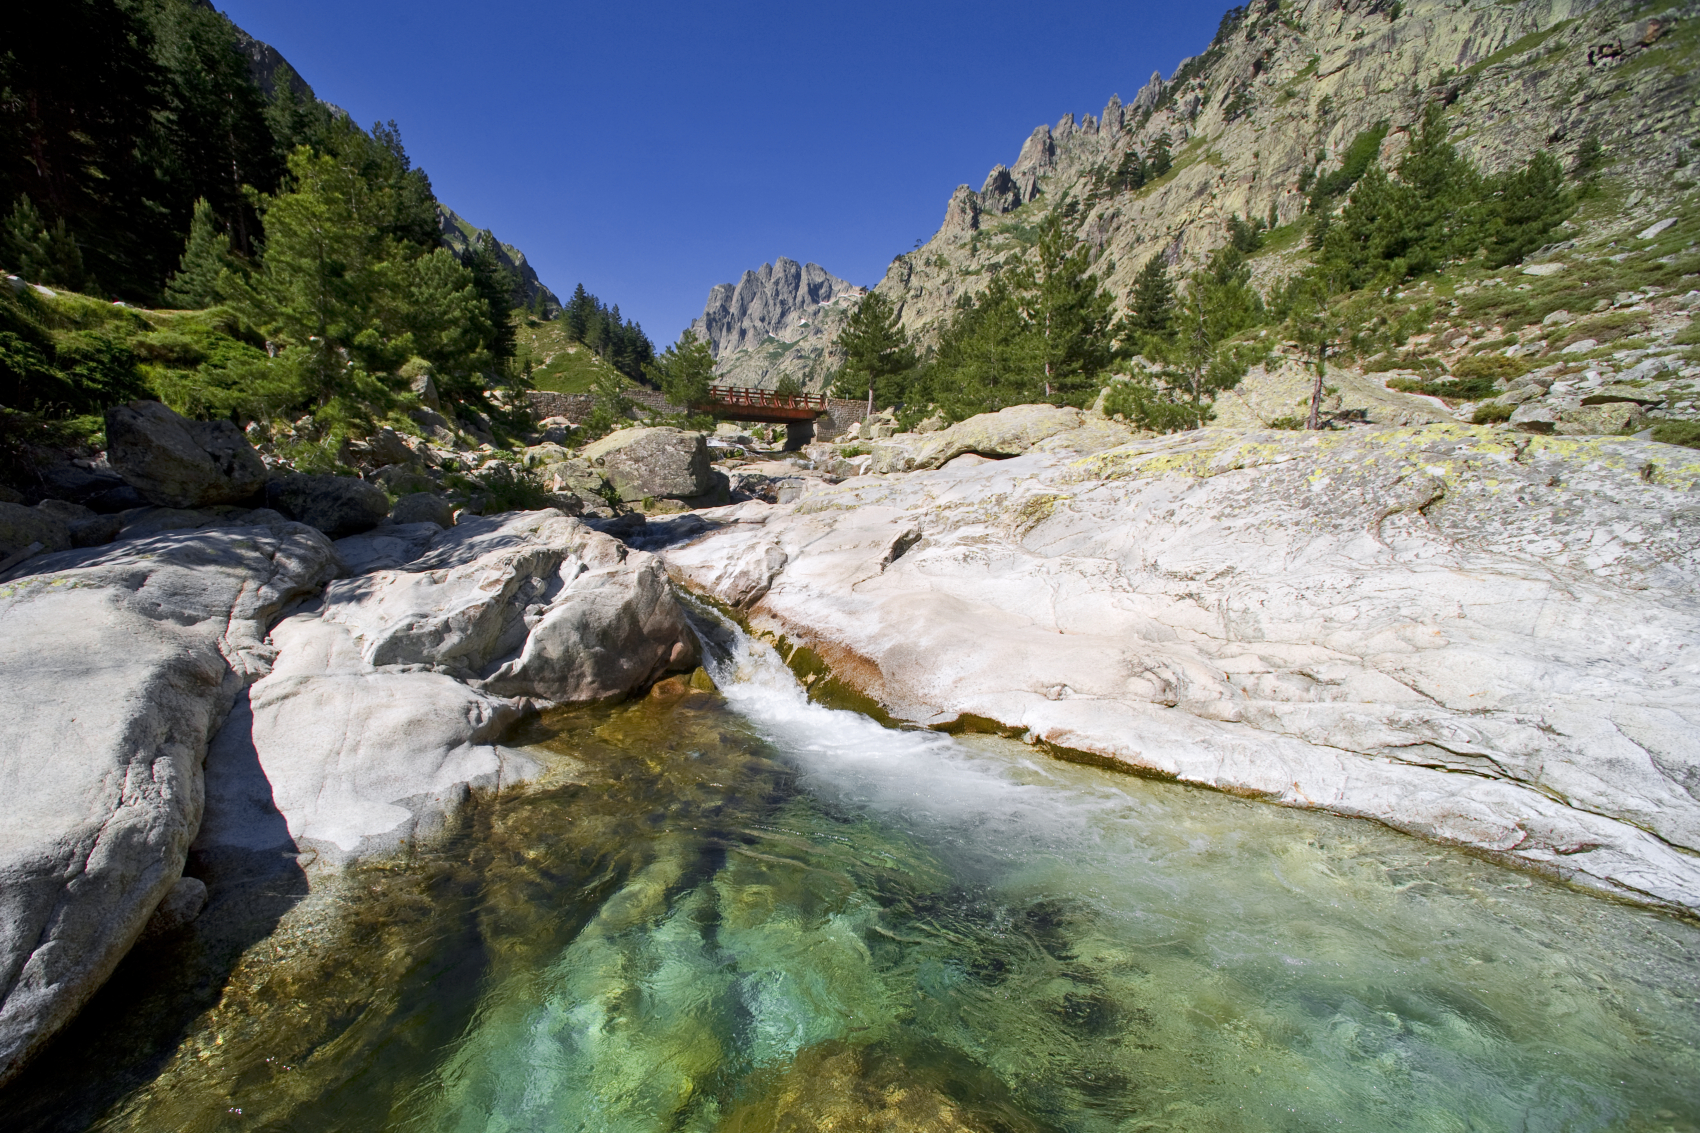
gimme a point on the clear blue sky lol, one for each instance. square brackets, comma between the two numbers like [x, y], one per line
[654, 150]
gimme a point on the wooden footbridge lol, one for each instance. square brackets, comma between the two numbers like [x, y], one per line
[736, 403]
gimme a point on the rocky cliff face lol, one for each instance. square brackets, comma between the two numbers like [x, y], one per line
[1248, 118]
[461, 237]
[776, 321]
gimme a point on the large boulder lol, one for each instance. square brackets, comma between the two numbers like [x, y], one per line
[22, 527]
[653, 463]
[423, 507]
[119, 665]
[1470, 634]
[353, 760]
[524, 604]
[336, 505]
[1008, 432]
[387, 704]
[176, 462]
[88, 528]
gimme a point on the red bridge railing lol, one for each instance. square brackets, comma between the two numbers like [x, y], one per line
[740, 404]
[766, 398]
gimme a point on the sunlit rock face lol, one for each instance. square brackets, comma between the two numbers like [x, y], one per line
[1482, 639]
[390, 697]
[120, 664]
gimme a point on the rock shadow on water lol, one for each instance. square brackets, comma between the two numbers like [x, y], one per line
[133, 1027]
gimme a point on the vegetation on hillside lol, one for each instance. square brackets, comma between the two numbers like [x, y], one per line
[1042, 330]
[618, 341]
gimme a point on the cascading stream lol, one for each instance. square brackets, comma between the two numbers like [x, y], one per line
[1024, 944]
[742, 911]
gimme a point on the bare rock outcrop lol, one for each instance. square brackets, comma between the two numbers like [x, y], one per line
[119, 664]
[1472, 635]
[175, 462]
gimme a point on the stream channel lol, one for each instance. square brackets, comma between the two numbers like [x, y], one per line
[745, 911]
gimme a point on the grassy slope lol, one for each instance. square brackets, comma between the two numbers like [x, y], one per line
[559, 365]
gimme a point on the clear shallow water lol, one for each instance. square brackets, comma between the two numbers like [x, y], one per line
[748, 912]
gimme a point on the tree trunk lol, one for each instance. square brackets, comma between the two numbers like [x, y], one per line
[1314, 421]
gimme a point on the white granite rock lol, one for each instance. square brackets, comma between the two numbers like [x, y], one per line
[119, 664]
[1475, 636]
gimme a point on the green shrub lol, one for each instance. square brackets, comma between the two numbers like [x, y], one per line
[1489, 366]
[1688, 335]
[506, 487]
[1685, 433]
[1468, 389]
[1288, 422]
[1491, 413]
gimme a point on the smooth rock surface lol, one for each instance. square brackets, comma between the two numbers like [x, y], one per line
[176, 462]
[659, 462]
[1008, 432]
[1472, 635]
[354, 761]
[526, 604]
[119, 665]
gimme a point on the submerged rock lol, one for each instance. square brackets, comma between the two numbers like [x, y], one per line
[1470, 635]
[120, 663]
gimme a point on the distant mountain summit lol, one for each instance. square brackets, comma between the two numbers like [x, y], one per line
[775, 322]
[766, 303]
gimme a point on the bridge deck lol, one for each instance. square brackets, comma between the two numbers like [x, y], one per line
[739, 404]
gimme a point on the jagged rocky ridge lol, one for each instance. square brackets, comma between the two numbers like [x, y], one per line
[776, 321]
[461, 237]
[1247, 118]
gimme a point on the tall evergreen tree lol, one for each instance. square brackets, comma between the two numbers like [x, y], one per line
[205, 256]
[1528, 205]
[495, 286]
[1160, 161]
[1069, 315]
[39, 253]
[684, 371]
[877, 352]
[1151, 303]
[577, 313]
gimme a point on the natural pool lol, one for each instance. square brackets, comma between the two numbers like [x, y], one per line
[742, 911]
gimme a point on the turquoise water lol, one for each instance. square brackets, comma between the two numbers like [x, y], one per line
[745, 911]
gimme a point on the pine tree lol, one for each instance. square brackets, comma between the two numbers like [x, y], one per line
[1160, 162]
[40, 254]
[205, 256]
[877, 352]
[1131, 173]
[577, 313]
[684, 371]
[1151, 302]
[495, 286]
[1069, 315]
[1530, 204]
